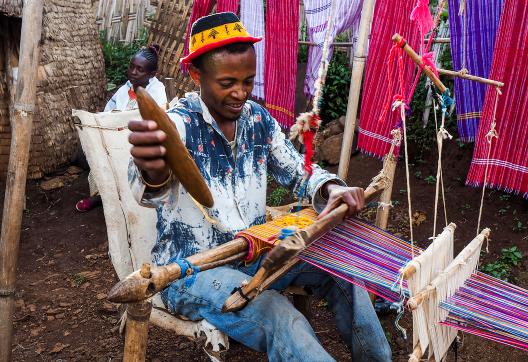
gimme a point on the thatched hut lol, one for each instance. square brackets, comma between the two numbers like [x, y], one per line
[71, 75]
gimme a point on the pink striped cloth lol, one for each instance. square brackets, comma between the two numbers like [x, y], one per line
[227, 5]
[282, 27]
[347, 15]
[508, 163]
[252, 16]
[374, 134]
[200, 8]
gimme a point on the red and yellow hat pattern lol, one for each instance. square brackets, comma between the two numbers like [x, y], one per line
[215, 31]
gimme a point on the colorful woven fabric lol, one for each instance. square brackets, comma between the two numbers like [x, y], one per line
[374, 134]
[355, 251]
[347, 15]
[508, 161]
[228, 5]
[490, 308]
[282, 28]
[252, 16]
[482, 22]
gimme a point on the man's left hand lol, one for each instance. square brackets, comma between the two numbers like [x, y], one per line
[354, 197]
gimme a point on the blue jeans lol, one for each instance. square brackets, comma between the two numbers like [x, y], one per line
[271, 324]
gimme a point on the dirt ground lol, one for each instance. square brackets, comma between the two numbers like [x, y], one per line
[64, 272]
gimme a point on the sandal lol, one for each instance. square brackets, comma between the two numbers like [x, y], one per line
[85, 204]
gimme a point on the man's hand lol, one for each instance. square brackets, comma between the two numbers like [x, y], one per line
[147, 151]
[354, 197]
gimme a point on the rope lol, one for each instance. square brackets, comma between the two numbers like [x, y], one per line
[462, 11]
[492, 133]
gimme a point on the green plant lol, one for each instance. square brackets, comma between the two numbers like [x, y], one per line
[518, 226]
[79, 279]
[431, 180]
[505, 197]
[277, 196]
[501, 268]
[117, 57]
[418, 174]
[335, 91]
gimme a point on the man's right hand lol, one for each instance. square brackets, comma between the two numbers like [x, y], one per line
[147, 151]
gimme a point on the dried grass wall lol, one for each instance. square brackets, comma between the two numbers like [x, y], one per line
[71, 75]
[11, 7]
[168, 29]
[122, 20]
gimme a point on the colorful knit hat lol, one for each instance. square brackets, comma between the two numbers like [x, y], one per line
[215, 31]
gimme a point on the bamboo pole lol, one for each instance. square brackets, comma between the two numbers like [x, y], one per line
[358, 66]
[21, 125]
[470, 77]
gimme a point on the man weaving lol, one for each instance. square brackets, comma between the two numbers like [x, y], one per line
[236, 144]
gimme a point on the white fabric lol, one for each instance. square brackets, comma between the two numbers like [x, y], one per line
[120, 101]
[252, 16]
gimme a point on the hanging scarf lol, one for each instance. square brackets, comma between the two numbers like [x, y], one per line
[200, 8]
[282, 27]
[252, 16]
[228, 5]
[347, 16]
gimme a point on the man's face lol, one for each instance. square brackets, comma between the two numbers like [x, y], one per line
[138, 73]
[226, 83]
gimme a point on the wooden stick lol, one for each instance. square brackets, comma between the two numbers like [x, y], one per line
[136, 335]
[382, 214]
[147, 281]
[334, 44]
[470, 77]
[358, 66]
[22, 123]
[397, 38]
[283, 256]
[178, 157]
[439, 40]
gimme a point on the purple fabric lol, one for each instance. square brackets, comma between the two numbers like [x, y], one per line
[348, 14]
[482, 24]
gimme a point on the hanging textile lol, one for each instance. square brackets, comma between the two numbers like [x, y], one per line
[472, 43]
[229, 5]
[282, 28]
[200, 8]
[374, 134]
[348, 14]
[252, 16]
[508, 158]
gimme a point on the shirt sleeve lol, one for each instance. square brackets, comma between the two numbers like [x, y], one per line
[159, 94]
[168, 193]
[286, 166]
[111, 105]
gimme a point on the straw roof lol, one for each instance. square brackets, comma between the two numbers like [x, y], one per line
[70, 75]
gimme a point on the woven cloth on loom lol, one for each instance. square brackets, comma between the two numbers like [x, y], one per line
[252, 16]
[482, 22]
[282, 28]
[347, 15]
[374, 135]
[490, 308]
[355, 251]
[508, 164]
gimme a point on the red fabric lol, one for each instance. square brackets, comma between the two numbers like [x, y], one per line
[227, 5]
[132, 94]
[200, 8]
[282, 27]
[508, 165]
[374, 134]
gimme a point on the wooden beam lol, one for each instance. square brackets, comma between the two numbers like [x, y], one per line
[470, 77]
[334, 44]
[358, 67]
[15, 194]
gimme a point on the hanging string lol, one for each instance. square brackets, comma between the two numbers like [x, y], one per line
[489, 137]
[462, 11]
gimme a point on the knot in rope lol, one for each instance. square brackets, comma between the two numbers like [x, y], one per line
[492, 133]
[429, 61]
[188, 270]
[447, 101]
[442, 132]
[384, 205]
[463, 71]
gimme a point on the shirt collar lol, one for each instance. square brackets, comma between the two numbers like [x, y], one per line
[129, 84]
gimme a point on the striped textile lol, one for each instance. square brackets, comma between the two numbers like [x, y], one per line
[228, 5]
[490, 308]
[374, 135]
[508, 163]
[252, 16]
[347, 16]
[200, 8]
[282, 27]
[355, 251]
[482, 21]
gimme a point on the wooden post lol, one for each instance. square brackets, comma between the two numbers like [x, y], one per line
[358, 66]
[136, 335]
[21, 125]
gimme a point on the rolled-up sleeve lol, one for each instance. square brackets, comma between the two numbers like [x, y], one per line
[286, 166]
